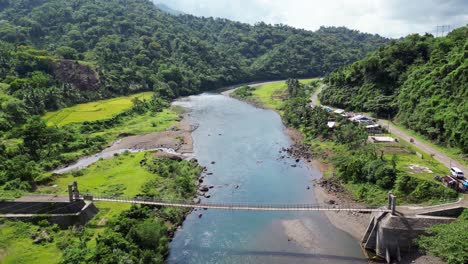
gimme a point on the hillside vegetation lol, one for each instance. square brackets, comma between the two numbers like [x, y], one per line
[135, 46]
[422, 81]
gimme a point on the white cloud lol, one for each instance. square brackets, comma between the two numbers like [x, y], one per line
[391, 18]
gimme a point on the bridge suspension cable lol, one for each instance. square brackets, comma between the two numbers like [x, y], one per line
[234, 206]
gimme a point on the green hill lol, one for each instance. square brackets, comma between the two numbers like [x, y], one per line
[137, 47]
[421, 81]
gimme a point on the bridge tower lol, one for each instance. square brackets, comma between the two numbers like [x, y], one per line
[391, 203]
[73, 192]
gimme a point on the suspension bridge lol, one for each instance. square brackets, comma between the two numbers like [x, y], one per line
[235, 206]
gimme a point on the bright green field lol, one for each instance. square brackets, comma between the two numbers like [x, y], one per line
[270, 95]
[122, 173]
[142, 124]
[16, 247]
[93, 111]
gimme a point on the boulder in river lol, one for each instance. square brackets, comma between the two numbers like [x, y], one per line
[213, 162]
[204, 188]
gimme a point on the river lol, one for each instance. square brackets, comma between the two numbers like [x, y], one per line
[240, 145]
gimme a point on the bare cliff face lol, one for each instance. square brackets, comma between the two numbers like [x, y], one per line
[80, 76]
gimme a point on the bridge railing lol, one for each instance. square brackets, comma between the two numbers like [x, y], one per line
[185, 203]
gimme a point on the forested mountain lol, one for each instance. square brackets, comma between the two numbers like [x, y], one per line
[134, 46]
[169, 10]
[422, 81]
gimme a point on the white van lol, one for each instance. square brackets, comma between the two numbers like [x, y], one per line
[456, 172]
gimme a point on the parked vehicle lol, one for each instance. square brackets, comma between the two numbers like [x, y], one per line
[465, 185]
[438, 178]
[451, 182]
[457, 173]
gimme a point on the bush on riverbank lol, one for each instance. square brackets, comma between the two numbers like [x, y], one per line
[448, 241]
[243, 92]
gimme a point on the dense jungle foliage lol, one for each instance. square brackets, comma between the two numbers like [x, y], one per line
[422, 81]
[357, 161]
[134, 46]
[448, 241]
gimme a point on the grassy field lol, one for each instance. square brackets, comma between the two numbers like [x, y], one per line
[93, 111]
[451, 152]
[270, 95]
[16, 246]
[121, 175]
[142, 124]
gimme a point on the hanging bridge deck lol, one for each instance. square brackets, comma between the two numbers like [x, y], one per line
[239, 206]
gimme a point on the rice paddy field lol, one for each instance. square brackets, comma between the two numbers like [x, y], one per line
[93, 111]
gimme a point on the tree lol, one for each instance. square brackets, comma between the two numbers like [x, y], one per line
[67, 53]
[41, 141]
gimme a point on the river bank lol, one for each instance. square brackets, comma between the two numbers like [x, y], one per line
[175, 140]
[354, 224]
[242, 147]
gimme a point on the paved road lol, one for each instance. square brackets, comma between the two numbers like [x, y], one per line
[439, 156]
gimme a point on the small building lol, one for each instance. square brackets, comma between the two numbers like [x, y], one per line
[382, 139]
[361, 119]
[374, 128]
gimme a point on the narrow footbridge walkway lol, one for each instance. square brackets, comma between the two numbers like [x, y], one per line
[236, 206]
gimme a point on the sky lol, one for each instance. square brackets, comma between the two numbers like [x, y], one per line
[389, 18]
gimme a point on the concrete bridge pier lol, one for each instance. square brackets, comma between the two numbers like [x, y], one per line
[392, 234]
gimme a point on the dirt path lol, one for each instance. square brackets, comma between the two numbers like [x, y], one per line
[314, 98]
